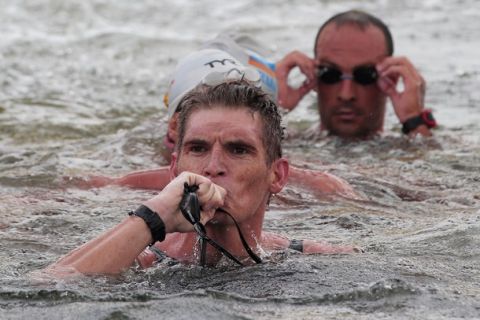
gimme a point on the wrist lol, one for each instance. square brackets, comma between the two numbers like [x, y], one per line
[166, 214]
[425, 119]
[153, 221]
[407, 114]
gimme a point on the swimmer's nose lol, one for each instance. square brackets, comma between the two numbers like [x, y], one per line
[215, 165]
[346, 92]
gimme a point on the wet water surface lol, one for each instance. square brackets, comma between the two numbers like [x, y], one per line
[81, 92]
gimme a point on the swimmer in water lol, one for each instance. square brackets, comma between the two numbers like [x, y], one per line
[223, 57]
[229, 145]
[353, 73]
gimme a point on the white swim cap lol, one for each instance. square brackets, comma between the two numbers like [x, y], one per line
[210, 66]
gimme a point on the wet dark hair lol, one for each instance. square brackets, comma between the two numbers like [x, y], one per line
[236, 94]
[360, 19]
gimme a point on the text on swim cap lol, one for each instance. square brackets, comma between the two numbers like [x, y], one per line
[222, 62]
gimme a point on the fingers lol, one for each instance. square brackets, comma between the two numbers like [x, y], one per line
[289, 97]
[306, 87]
[305, 64]
[395, 67]
[388, 85]
[296, 59]
[410, 101]
[210, 196]
[166, 204]
[146, 258]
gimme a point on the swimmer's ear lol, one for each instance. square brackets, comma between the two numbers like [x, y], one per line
[173, 166]
[279, 175]
[172, 127]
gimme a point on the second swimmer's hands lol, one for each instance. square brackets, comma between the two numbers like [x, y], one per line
[166, 203]
[410, 101]
[289, 97]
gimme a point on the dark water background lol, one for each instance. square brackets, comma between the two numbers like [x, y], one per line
[81, 85]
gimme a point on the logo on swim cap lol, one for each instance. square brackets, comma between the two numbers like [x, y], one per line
[222, 62]
[191, 71]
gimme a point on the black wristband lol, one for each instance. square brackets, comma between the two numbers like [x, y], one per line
[425, 117]
[153, 221]
[296, 245]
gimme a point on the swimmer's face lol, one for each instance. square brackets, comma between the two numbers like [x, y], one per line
[225, 145]
[349, 109]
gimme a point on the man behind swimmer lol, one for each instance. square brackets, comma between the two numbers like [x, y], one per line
[200, 67]
[229, 144]
[353, 73]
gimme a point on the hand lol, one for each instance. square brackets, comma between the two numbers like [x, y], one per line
[289, 97]
[409, 102]
[166, 203]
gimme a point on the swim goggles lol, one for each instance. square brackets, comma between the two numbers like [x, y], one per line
[249, 74]
[364, 75]
[190, 208]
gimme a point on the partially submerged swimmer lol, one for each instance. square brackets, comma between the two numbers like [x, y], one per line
[211, 66]
[229, 145]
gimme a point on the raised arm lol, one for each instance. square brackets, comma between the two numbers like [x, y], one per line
[289, 97]
[408, 103]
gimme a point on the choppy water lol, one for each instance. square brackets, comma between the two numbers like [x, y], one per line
[80, 92]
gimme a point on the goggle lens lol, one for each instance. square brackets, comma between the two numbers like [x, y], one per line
[364, 75]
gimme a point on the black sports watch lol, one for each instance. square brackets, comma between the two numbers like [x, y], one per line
[425, 117]
[153, 221]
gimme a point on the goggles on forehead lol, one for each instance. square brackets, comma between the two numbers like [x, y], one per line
[249, 74]
[364, 75]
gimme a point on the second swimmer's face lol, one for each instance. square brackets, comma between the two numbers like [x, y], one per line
[349, 109]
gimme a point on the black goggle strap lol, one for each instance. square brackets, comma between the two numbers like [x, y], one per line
[203, 248]
[244, 242]
[190, 208]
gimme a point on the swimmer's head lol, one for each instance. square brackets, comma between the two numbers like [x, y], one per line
[207, 66]
[227, 51]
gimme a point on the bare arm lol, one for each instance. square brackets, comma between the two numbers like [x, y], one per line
[155, 179]
[116, 249]
[110, 253]
[322, 184]
[289, 97]
[409, 102]
[275, 241]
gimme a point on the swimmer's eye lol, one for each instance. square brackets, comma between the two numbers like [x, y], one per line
[240, 149]
[198, 149]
